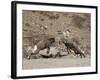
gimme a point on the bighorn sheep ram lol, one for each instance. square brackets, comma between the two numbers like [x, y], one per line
[41, 45]
[71, 46]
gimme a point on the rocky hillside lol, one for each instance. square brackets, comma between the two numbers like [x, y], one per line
[41, 24]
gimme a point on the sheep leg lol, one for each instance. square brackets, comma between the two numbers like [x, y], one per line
[80, 53]
[35, 53]
[48, 50]
[68, 50]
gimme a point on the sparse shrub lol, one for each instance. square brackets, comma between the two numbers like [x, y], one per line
[81, 21]
[78, 21]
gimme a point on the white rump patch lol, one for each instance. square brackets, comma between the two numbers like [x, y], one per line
[34, 49]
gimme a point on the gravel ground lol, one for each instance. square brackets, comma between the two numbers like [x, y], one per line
[66, 61]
